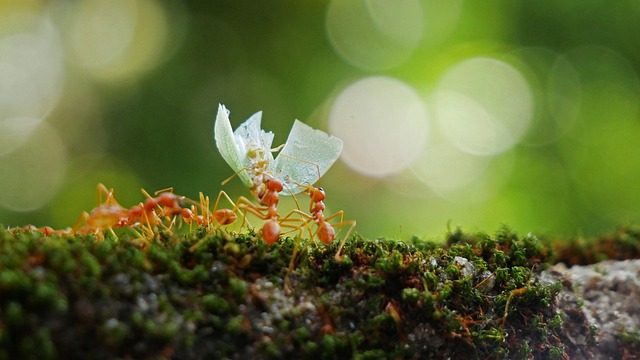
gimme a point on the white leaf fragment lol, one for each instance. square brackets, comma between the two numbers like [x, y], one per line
[304, 158]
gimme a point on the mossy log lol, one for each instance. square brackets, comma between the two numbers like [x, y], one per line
[472, 296]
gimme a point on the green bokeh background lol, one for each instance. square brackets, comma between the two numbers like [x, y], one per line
[150, 124]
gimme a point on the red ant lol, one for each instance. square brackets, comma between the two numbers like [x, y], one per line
[219, 217]
[270, 199]
[166, 205]
[271, 228]
[222, 216]
[106, 216]
[325, 230]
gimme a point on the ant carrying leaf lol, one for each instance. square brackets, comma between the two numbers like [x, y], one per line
[307, 154]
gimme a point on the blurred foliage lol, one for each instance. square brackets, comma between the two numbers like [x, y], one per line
[133, 87]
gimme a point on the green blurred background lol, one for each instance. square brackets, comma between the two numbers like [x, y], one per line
[470, 113]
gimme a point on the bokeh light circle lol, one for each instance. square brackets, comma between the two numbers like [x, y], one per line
[466, 123]
[374, 34]
[119, 39]
[441, 19]
[556, 93]
[564, 95]
[31, 69]
[32, 173]
[384, 125]
[483, 105]
[14, 132]
[444, 168]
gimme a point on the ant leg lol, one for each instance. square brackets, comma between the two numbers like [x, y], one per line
[344, 240]
[145, 223]
[234, 175]
[220, 216]
[204, 210]
[246, 205]
[153, 211]
[200, 217]
[80, 223]
[304, 220]
[149, 209]
[101, 189]
[167, 189]
[112, 232]
[109, 194]
[204, 219]
[296, 246]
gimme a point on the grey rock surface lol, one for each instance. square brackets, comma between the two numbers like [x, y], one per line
[608, 296]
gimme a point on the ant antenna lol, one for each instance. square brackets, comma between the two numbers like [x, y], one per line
[167, 189]
[232, 176]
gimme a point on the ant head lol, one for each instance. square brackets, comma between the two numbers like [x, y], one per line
[316, 194]
[275, 185]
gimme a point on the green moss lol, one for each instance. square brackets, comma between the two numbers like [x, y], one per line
[219, 295]
[215, 304]
[238, 289]
[624, 243]
[556, 352]
[235, 324]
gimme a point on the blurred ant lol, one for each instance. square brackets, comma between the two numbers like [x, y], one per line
[46, 230]
[106, 216]
[110, 214]
[151, 213]
[168, 206]
[147, 215]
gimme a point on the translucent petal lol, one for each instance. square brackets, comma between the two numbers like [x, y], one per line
[306, 156]
[227, 145]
